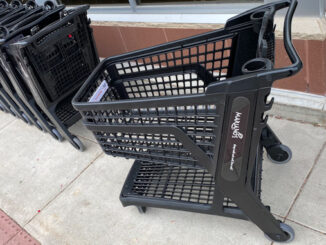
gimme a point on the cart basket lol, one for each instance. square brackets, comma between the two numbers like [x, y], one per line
[27, 27]
[196, 102]
[58, 58]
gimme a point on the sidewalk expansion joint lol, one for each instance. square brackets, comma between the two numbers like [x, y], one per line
[7, 125]
[306, 179]
[308, 227]
[63, 190]
[90, 140]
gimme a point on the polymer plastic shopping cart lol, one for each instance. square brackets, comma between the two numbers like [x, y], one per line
[11, 78]
[53, 63]
[191, 112]
[4, 106]
[9, 16]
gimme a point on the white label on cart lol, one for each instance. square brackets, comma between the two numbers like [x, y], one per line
[236, 126]
[100, 91]
[234, 155]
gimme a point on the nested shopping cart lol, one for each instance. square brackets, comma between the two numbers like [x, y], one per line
[11, 77]
[4, 106]
[9, 15]
[9, 29]
[5, 9]
[191, 112]
[53, 63]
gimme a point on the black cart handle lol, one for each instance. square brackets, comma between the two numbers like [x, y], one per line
[71, 14]
[290, 49]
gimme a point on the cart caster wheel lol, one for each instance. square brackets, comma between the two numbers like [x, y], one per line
[57, 135]
[78, 144]
[288, 230]
[12, 111]
[279, 154]
[39, 125]
[25, 118]
[141, 209]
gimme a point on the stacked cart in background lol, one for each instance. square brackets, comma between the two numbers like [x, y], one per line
[46, 53]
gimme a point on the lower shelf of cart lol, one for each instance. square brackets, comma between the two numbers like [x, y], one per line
[66, 113]
[180, 188]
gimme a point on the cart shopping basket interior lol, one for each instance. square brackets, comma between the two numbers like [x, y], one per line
[53, 62]
[29, 26]
[191, 112]
[12, 18]
[60, 65]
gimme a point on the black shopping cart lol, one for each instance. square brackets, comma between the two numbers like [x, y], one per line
[11, 77]
[4, 106]
[191, 112]
[54, 62]
[12, 12]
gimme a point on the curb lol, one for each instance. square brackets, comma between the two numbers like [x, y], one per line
[299, 106]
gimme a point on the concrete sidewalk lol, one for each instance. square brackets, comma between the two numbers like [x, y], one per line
[61, 196]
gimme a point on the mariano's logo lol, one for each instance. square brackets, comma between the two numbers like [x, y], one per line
[235, 126]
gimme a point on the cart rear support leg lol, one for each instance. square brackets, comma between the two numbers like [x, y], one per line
[5, 105]
[63, 129]
[276, 151]
[43, 122]
[27, 114]
[13, 108]
[269, 138]
[259, 214]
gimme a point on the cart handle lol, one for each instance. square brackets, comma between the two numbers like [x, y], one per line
[290, 49]
[71, 14]
[3, 4]
[16, 3]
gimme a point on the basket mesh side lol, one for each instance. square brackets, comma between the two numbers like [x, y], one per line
[165, 85]
[209, 59]
[197, 121]
[212, 55]
[270, 46]
[63, 58]
[69, 73]
[185, 70]
[175, 183]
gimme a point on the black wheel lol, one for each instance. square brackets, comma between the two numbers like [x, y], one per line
[39, 125]
[26, 119]
[279, 154]
[141, 209]
[13, 112]
[78, 144]
[57, 135]
[288, 230]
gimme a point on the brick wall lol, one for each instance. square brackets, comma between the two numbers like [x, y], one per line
[113, 40]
